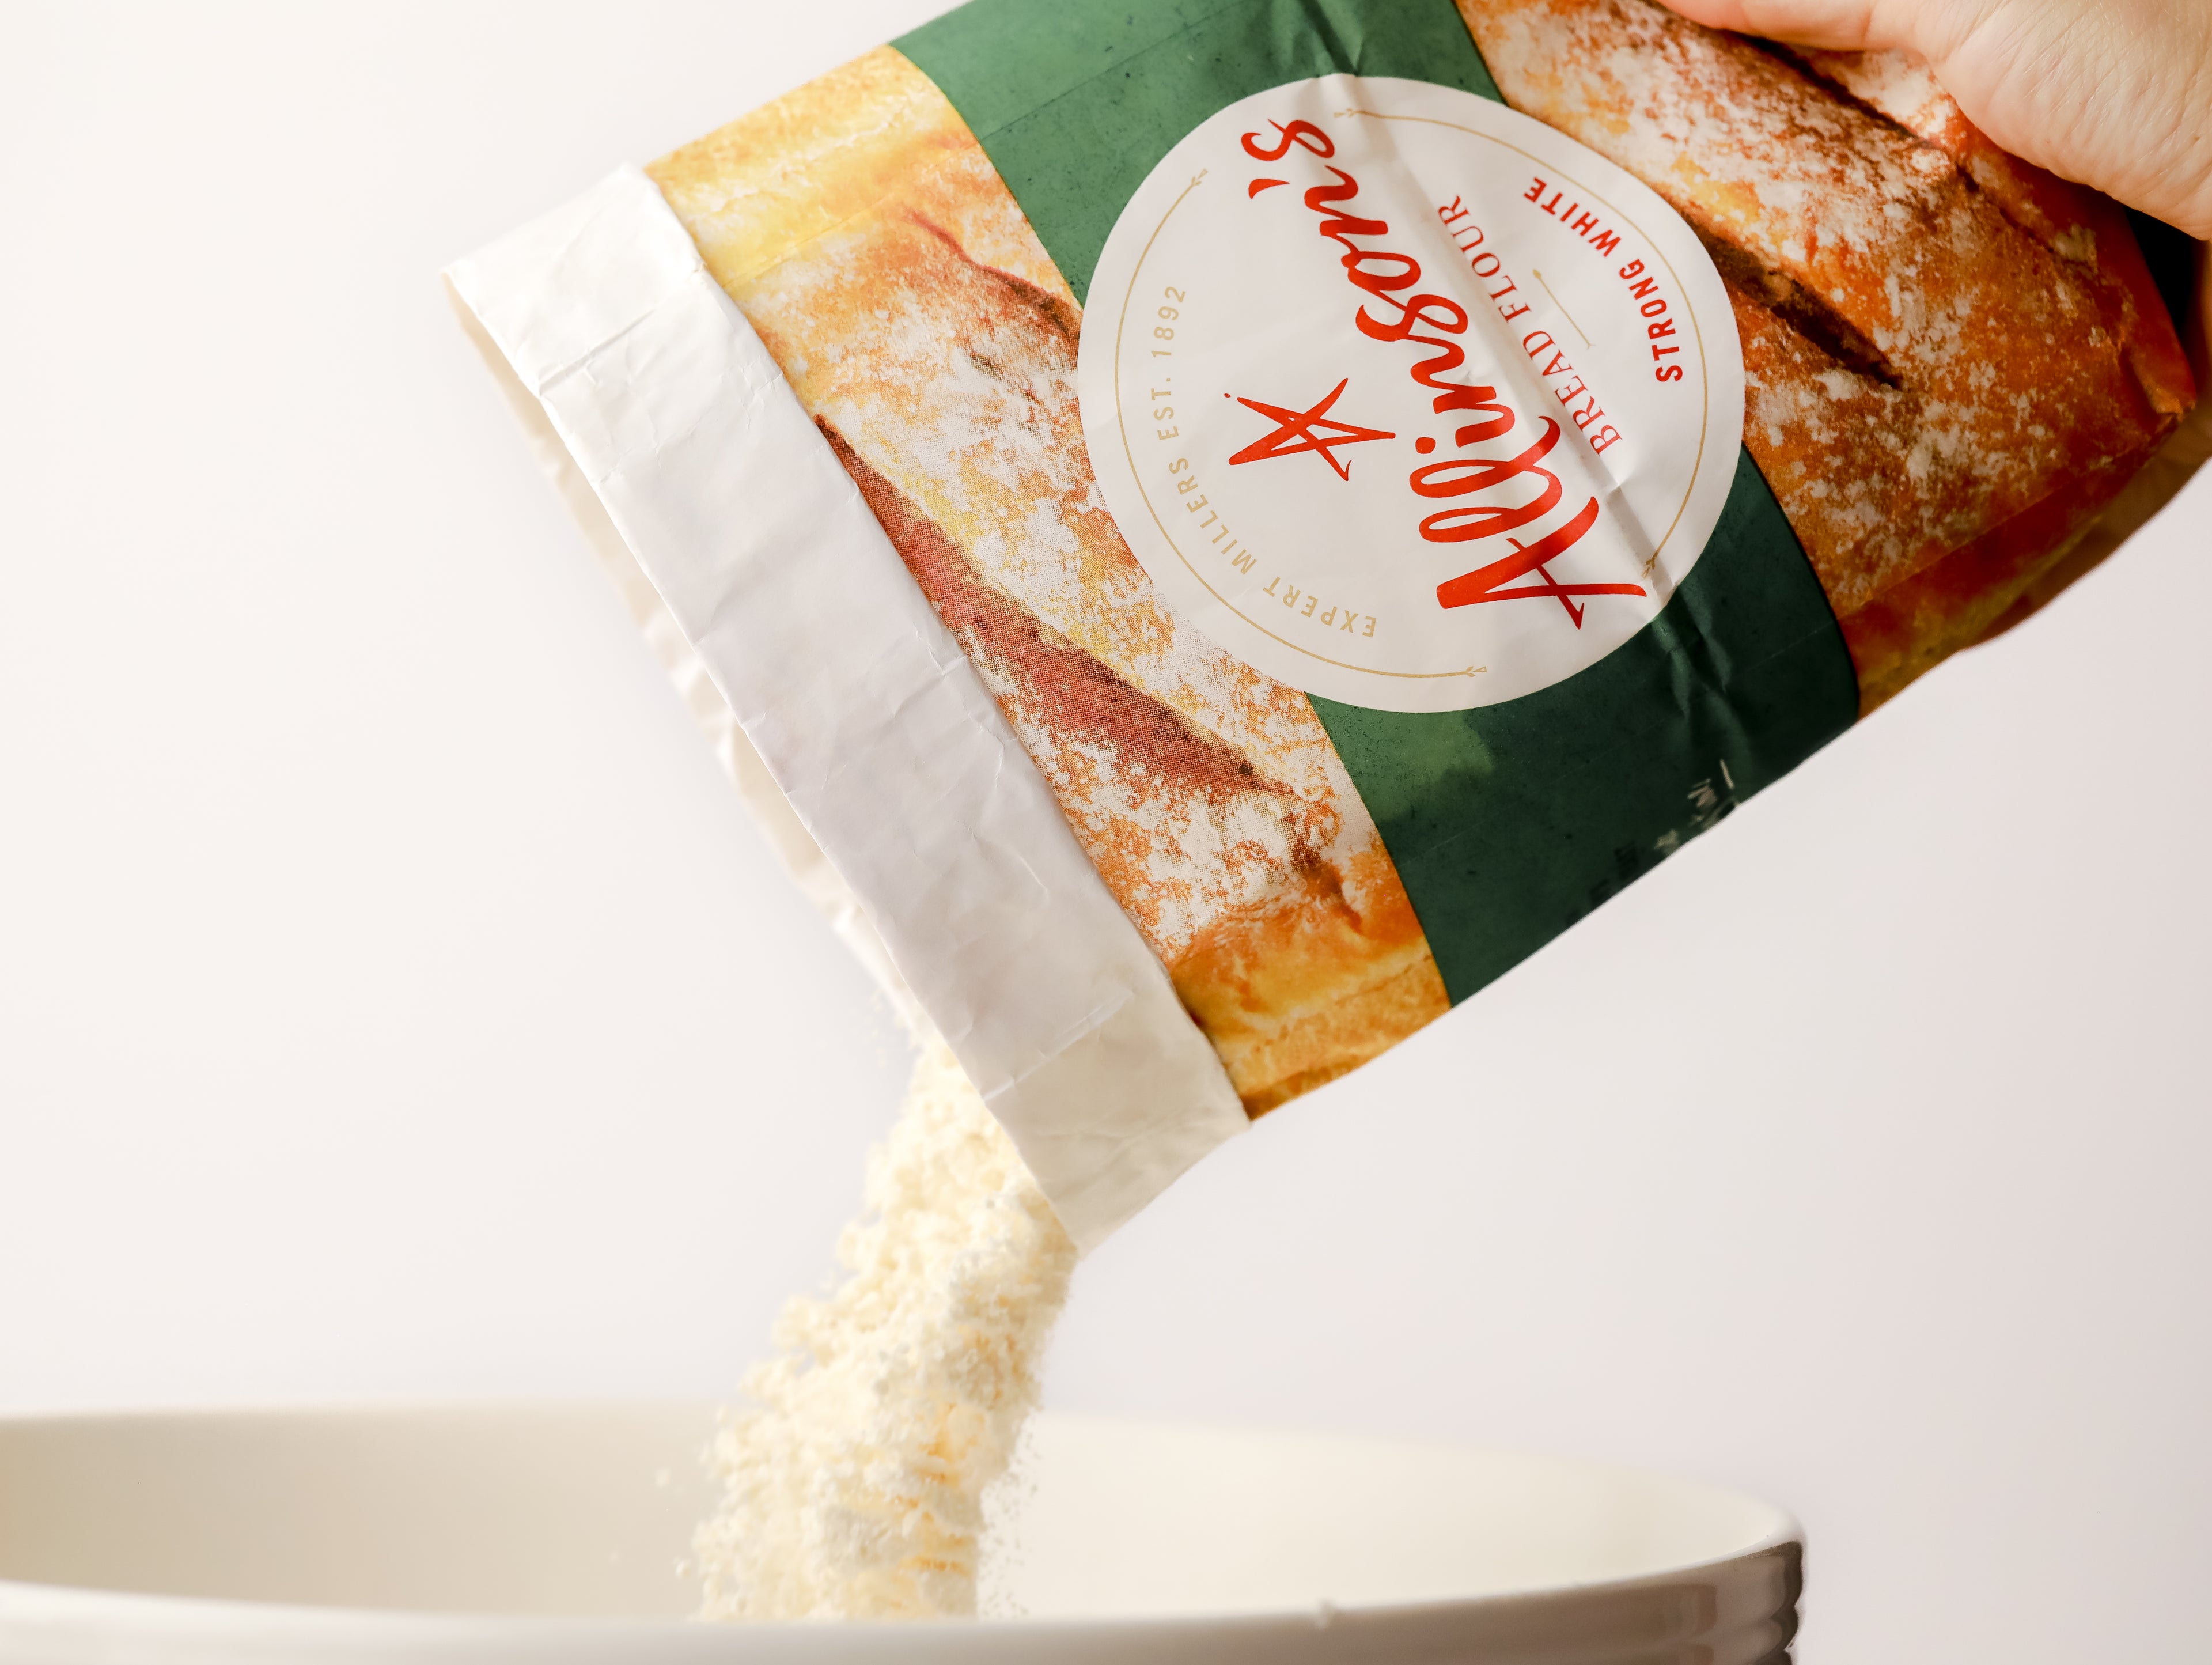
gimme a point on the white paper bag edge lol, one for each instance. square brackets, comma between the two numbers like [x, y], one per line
[861, 736]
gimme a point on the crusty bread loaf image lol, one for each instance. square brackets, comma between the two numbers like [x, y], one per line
[892, 275]
[1953, 362]
[1954, 359]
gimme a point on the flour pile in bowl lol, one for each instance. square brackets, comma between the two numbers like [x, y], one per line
[853, 1489]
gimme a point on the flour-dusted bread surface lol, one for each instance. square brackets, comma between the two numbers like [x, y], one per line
[888, 270]
[2087, 229]
[1937, 367]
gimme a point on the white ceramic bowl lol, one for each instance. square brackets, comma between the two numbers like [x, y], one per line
[492, 1534]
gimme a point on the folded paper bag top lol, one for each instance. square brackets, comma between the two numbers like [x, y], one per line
[1208, 534]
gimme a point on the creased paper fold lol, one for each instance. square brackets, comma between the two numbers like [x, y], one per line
[899, 796]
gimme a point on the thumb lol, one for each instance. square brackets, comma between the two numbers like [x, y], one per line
[1841, 25]
[2114, 94]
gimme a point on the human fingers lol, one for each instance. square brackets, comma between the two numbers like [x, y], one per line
[1842, 25]
[2113, 93]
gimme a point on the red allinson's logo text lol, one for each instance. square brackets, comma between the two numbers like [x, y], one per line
[1494, 483]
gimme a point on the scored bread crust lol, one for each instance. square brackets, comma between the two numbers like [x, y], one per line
[1953, 362]
[888, 271]
[1954, 359]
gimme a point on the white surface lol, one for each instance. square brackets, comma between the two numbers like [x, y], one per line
[394, 999]
[650, 389]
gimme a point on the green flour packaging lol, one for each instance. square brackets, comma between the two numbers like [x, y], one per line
[1210, 529]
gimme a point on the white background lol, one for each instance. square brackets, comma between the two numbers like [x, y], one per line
[393, 1000]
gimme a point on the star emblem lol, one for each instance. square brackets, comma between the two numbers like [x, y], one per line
[1310, 429]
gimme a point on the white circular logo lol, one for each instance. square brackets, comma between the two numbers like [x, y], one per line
[1404, 398]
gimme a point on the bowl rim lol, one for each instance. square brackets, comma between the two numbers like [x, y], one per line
[213, 1615]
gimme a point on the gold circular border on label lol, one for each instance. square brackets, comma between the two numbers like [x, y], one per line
[1121, 424]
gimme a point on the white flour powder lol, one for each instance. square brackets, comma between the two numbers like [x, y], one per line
[855, 1489]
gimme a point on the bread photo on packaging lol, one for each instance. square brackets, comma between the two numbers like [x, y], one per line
[1209, 532]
